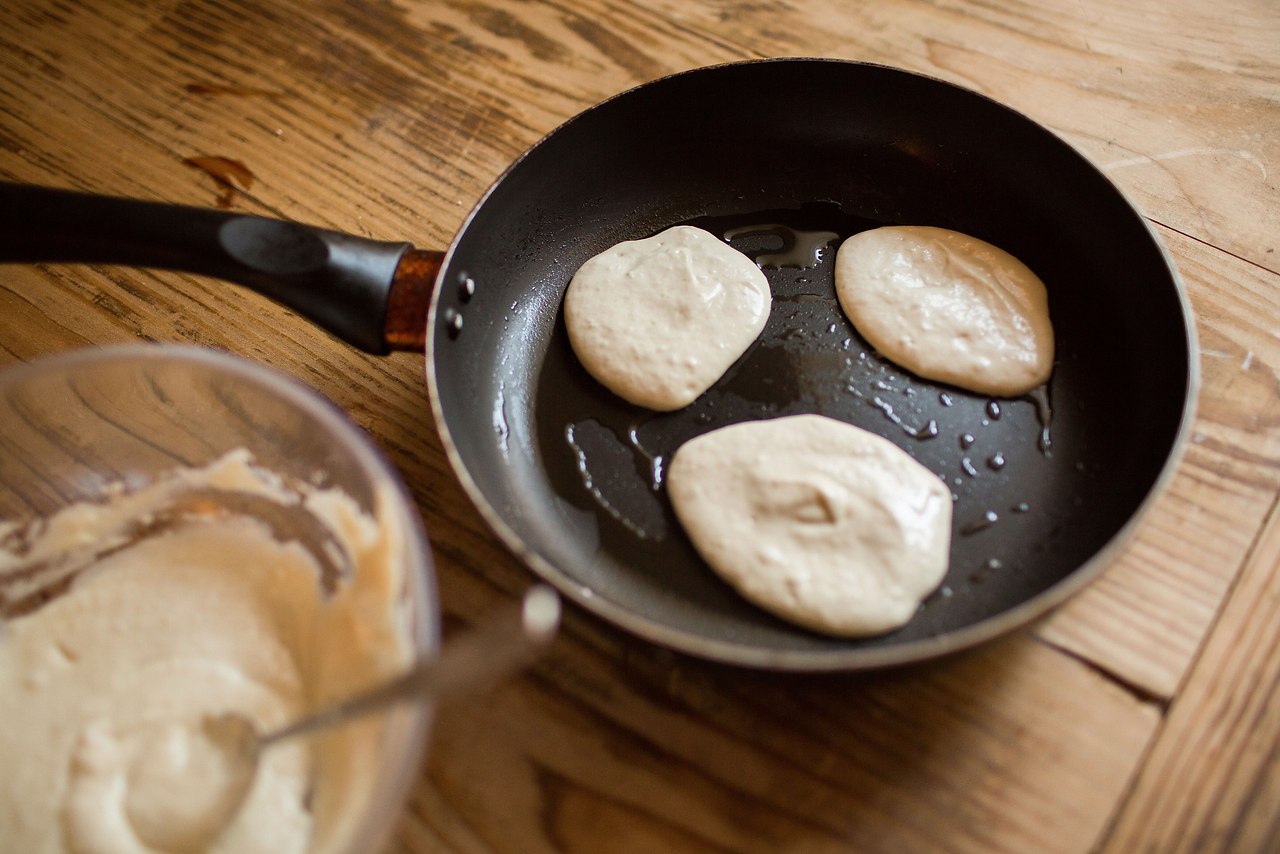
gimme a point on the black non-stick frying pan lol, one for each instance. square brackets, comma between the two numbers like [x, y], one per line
[783, 158]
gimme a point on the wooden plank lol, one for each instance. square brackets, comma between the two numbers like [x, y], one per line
[1144, 618]
[1014, 748]
[1178, 103]
[1212, 782]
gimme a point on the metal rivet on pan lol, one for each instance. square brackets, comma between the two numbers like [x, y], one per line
[466, 287]
[452, 322]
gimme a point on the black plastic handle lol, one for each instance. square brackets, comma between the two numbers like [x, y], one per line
[339, 281]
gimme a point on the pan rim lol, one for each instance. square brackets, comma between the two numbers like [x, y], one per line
[826, 660]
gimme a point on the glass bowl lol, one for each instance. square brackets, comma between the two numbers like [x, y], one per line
[81, 426]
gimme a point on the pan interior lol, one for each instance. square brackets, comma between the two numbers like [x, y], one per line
[781, 154]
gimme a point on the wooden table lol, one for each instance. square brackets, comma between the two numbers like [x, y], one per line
[1144, 715]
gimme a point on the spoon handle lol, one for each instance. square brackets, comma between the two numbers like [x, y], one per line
[497, 647]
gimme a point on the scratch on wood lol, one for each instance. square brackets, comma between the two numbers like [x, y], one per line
[200, 88]
[1141, 159]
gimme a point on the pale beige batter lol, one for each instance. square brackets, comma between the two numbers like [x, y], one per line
[658, 321]
[105, 689]
[948, 307]
[815, 520]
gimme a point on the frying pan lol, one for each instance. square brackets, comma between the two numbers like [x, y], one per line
[785, 157]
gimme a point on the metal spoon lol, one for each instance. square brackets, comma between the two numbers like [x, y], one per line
[500, 645]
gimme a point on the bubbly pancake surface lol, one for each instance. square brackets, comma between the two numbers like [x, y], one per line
[818, 521]
[948, 307]
[658, 321]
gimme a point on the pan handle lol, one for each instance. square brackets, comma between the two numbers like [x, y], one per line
[351, 286]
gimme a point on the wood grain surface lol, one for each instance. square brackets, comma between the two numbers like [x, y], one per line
[1139, 717]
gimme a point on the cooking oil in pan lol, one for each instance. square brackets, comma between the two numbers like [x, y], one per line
[1040, 397]
[601, 452]
[797, 247]
[927, 431]
[601, 461]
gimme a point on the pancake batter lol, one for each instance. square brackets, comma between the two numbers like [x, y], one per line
[181, 606]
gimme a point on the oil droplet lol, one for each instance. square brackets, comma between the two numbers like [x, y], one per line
[928, 431]
[967, 465]
[966, 441]
[1021, 507]
[654, 461]
[831, 327]
[995, 462]
[988, 519]
[1040, 397]
[983, 572]
[993, 410]
[793, 333]
[945, 399]
[943, 592]
[453, 322]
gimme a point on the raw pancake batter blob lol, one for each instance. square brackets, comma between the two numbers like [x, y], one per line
[184, 601]
[658, 321]
[948, 307]
[815, 520]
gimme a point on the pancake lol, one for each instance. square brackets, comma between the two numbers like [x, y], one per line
[658, 321]
[817, 521]
[948, 307]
